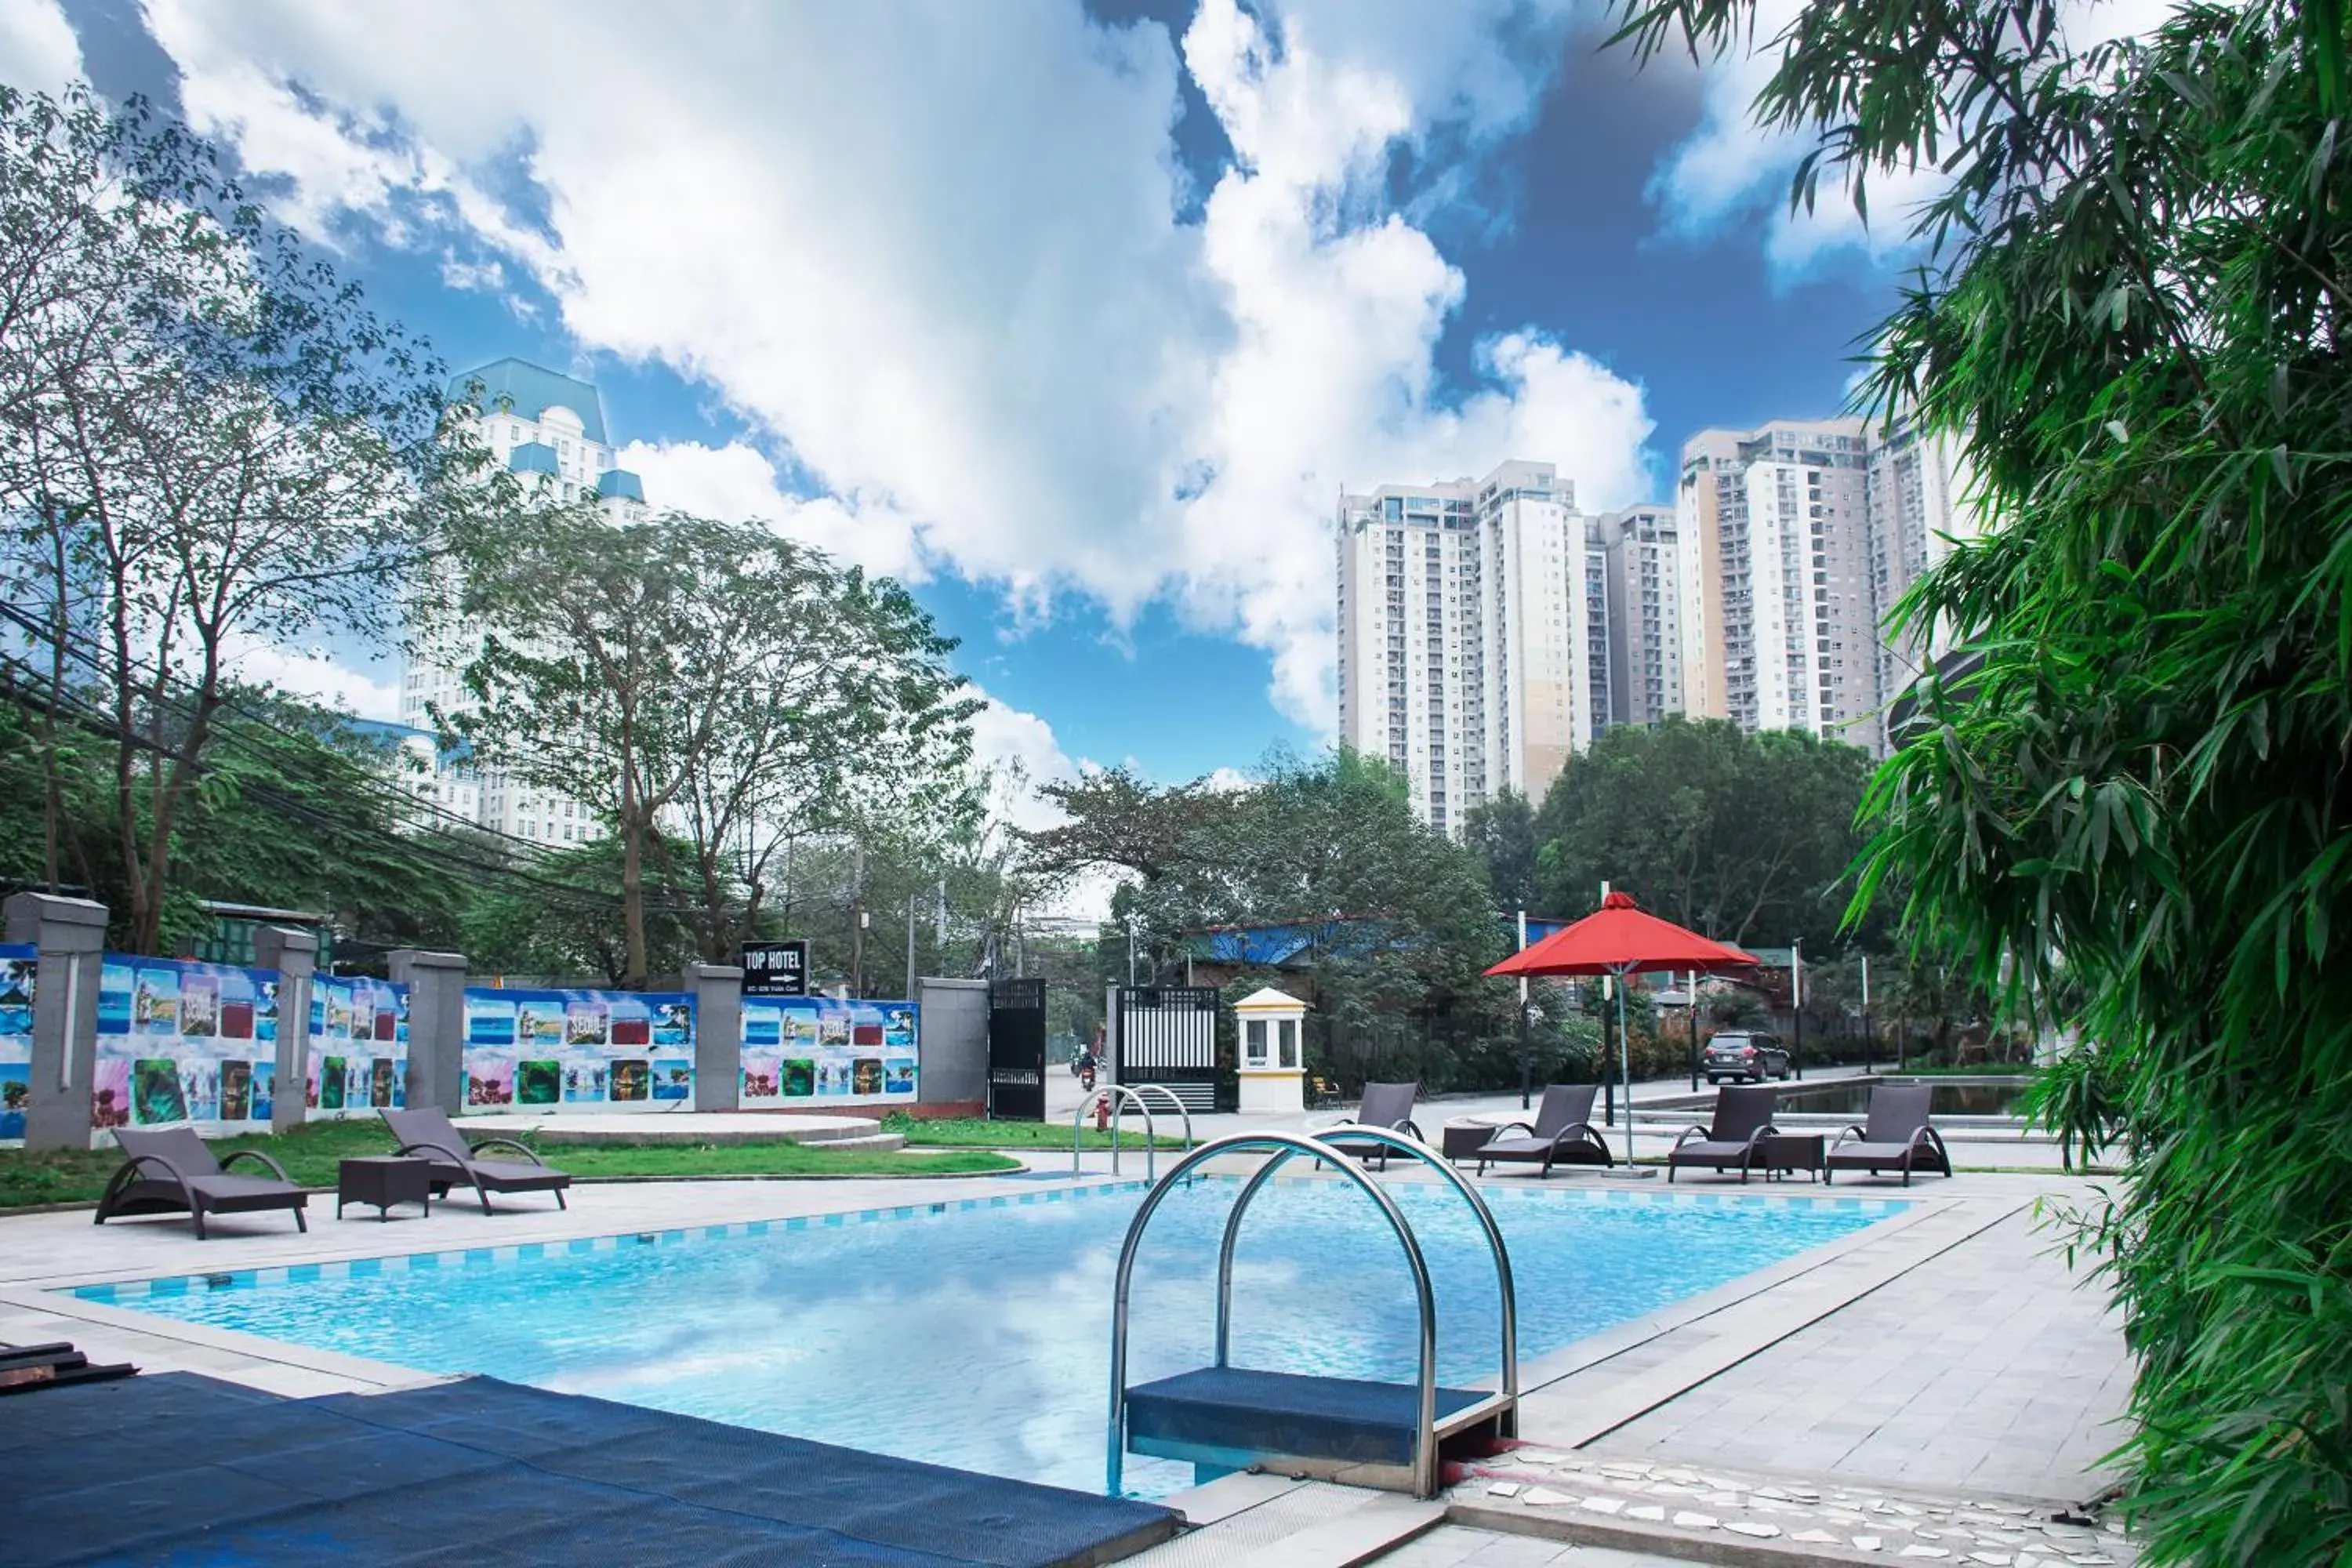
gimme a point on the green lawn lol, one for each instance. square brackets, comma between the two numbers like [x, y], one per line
[975, 1133]
[309, 1154]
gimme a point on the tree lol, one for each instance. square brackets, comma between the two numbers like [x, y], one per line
[1741, 836]
[709, 674]
[207, 442]
[2133, 315]
[1501, 833]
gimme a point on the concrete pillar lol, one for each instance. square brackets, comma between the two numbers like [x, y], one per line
[437, 1026]
[954, 1043]
[71, 936]
[295, 956]
[718, 992]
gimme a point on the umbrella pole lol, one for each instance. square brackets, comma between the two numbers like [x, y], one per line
[1625, 1064]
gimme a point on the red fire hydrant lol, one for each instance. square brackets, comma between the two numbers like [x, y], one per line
[1102, 1114]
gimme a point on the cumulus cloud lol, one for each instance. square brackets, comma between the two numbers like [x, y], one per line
[945, 263]
[37, 51]
[316, 675]
[1729, 166]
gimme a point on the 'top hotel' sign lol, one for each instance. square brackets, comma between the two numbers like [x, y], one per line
[776, 968]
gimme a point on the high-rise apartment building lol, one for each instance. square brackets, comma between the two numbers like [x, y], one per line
[1779, 613]
[547, 429]
[1474, 634]
[1642, 559]
[1919, 505]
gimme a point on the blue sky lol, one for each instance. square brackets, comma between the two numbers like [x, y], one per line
[1077, 318]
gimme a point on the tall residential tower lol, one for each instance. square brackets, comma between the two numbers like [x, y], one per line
[1474, 634]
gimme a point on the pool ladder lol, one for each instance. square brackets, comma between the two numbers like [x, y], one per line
[1118, 1094]
[1224, 1418]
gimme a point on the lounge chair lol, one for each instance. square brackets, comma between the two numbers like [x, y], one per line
[1387, 1106]
[429, 1131]
[1562, 1131]
[169, 1170]
[1897, 1136]
[1743, 1118]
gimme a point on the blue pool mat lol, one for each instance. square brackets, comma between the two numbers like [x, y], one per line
[179, 1469]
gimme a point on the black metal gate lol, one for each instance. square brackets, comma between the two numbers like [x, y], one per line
[1168, 1036]
[1016, 1051]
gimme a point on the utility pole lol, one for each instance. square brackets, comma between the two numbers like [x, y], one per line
[1527, 1047]
[1869, 1045]
[1690, 994]
[1130, 951]
[1797, 1009]
[911, 947]
[857, 922]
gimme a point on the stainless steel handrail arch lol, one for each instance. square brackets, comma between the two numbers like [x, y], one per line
[1077, 1129]
[1434, 1160]
[1173, 1098]
[1424, 1451]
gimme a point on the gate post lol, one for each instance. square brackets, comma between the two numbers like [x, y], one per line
[70, 937]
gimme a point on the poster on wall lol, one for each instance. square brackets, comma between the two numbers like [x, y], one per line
[817, 1052]
[554, 1051]
[358, 1047]
[192, 1043]
[18, 963]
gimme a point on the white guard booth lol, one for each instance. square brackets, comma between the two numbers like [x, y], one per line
[1273, 1057]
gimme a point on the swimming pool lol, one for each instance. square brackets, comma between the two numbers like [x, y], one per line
[977, 1333]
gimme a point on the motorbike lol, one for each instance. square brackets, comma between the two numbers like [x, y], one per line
[1082, 1068]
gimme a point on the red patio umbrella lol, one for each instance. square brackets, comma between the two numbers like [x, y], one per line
[1619, 940]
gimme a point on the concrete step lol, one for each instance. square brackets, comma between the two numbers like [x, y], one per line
[1251, 1521]
[871, 1144]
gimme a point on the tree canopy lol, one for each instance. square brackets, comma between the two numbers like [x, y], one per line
[1744, 838]
[2130, 801]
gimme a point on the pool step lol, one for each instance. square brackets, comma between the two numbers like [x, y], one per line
[1336, 1428]
[1256, 1521]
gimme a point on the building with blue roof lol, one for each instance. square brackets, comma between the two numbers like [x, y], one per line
[547, 429]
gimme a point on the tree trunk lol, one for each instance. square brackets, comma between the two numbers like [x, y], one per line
[633, 884]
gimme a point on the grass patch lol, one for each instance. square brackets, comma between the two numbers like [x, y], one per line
[309, 1154]
[970, 1133]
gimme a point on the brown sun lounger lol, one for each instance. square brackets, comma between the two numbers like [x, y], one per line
[169, 1170]
[1897, 1137]
[428, 1132]
[1563, 1133]
[1388, 1106]
[1743, 1118]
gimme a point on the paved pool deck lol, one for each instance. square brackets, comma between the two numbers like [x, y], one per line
[1948, 1349]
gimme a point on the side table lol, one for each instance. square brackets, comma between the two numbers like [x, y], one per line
[1787, 1151]
[383, 1180]
[1462, 1140]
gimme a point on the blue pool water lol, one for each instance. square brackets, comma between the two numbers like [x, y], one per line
[978, 1336]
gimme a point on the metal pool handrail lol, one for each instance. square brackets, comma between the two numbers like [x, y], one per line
[1425, 1432]
[1175, 1100]
[1077, 1129]
[1417, 1150]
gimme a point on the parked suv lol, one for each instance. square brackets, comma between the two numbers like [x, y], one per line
[1745, 1054]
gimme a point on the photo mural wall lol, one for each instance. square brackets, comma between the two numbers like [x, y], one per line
[180, 1042]
[358, 1047]
[816, 1051]
[578, 1050]
[18, 963]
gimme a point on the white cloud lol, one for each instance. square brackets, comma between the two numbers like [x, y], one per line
[938, 261]
[1729, 166]
[37, 49]
[316, 675]
[738, 482]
